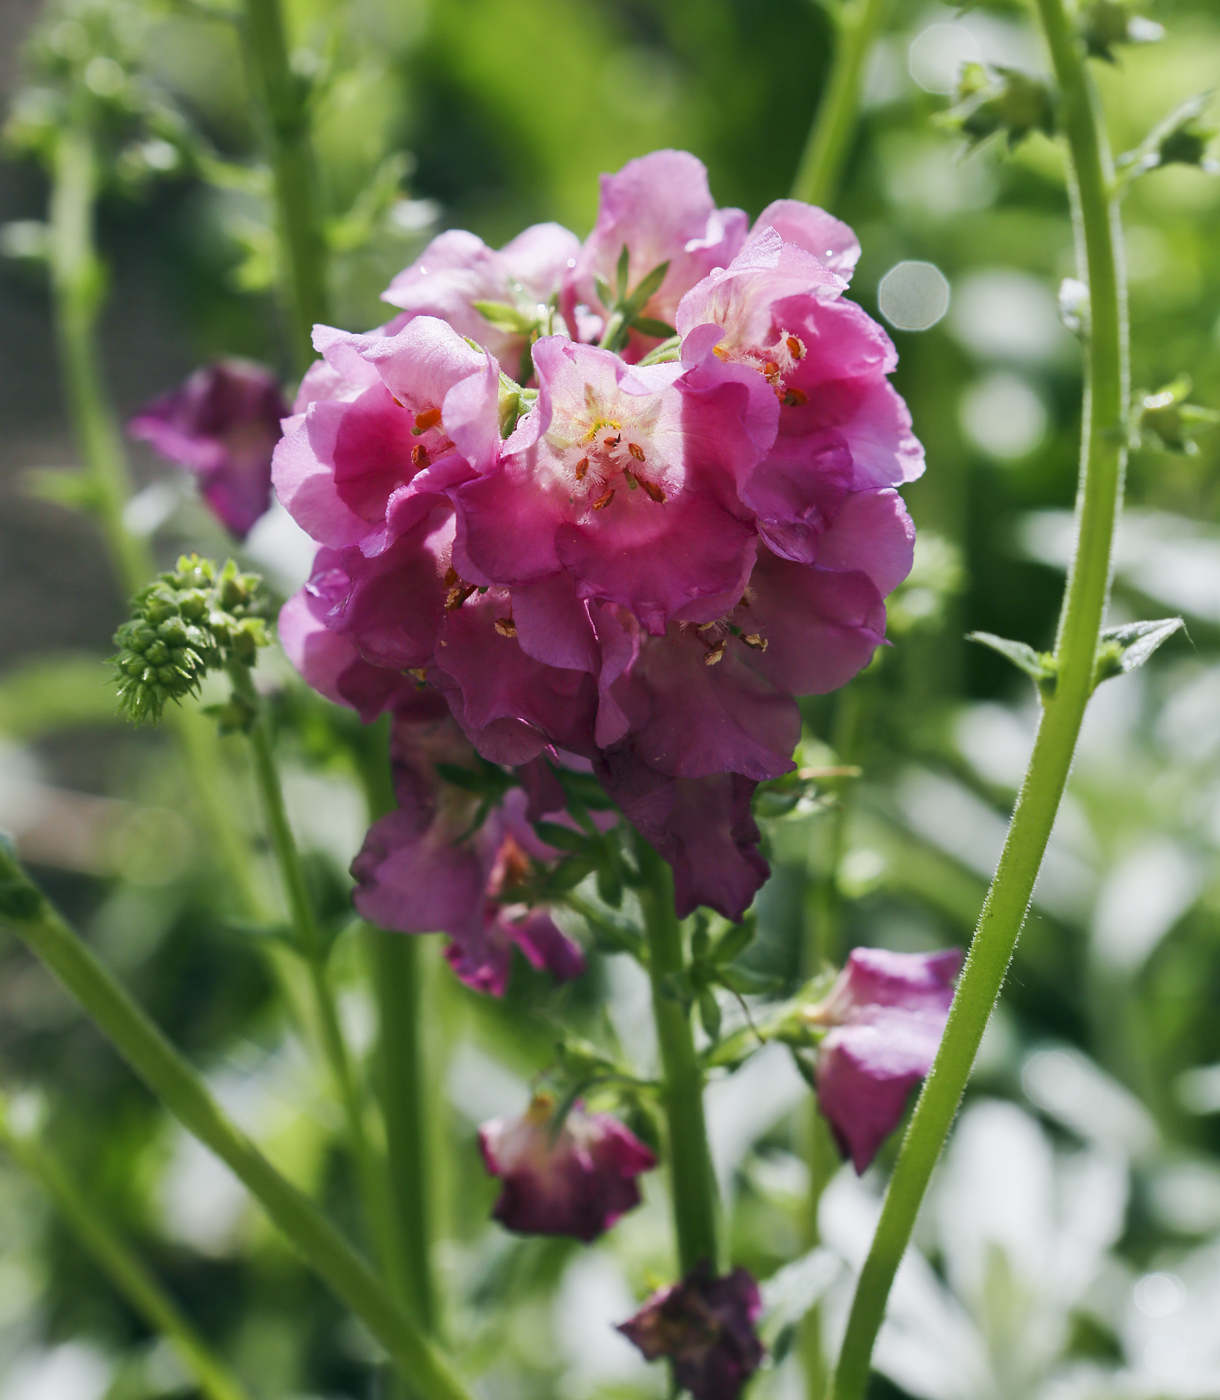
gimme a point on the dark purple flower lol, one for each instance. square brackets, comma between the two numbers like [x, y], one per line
[577, 1181]
[222, 424]
[887, 1012]
[422, 870]
[705, 1326]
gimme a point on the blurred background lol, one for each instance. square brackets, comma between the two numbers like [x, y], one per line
[1072, 1245]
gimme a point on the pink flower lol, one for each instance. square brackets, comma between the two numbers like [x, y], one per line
[661, 209]
[457, 269]
[625, 478]
[577, 1182]
[705, 1326]
[223, 425]
[398, 420]
[886, 1012]
[421, 870]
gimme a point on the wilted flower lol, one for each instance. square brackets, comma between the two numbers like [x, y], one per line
[577, 1180]
[886, 1014]
[424, 868]
[222, 424]
[705, 1327]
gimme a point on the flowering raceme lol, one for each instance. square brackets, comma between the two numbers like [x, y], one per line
[640, 553]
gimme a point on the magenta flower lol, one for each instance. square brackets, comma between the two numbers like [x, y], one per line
[705, 1326]
[661, 209]
[626, 478]
[421, 870]
[398, 421]
[577, 1181]
[457, 269]
[223, 425]
[886, 1014]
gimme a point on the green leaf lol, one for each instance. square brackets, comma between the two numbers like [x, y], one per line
[709, 1013]
[620, 274]
[505, 317]
[605, 293]
[1039, 666]
[639, 297]
[612, 930]
[74, 490]
[649, 325]
[610, 883]
[1126, 648]
[563, 838]
[729, 946]
[676, 986]
[746, 983]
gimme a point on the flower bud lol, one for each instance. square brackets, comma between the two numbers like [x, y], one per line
[1003, 100]
[1106, 23]
[1167, 422]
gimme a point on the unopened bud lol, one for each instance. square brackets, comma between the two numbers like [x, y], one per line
[1004, 99]
[1104, 24]
[1168, 422]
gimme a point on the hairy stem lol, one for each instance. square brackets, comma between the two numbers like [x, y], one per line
[283, 98]
[117, 1260]
[1102, 463]
[834, 124]
[373, 1183]
[25, 911]
[692, 1181]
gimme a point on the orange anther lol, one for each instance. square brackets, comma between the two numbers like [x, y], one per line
[795, 397]
[770, 369]
[451, 576]
[795, 348]
[419, 455]
[755, 640]
[428, 419]
[457, 596]
[720, 352]
[714, 655]
[636, 451]
[417, 674]
[506, 627]
[582, 468]
[613, 441]
[604, 499]
[398, 401]
[654, 491]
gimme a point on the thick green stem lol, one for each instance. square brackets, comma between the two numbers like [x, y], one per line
[1099, 244]
[172, 1080]
[283, 98]
[373, 1184]
[817, 176]
[125, 1270]
[692, 1180]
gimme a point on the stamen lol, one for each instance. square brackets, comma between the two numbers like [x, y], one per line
[428, 419]
[632, 483]
[613, 441]
[636, 451]
[457, 595]
[451, 576]
[770, 369]
[707, 626]
[720, 352]
[417, 674]
[419, 455]
[654, 491]
[582, 468]
[794, 398]
[755, 640]
[604, 499]
[398, 401]
[715, 654]
[795, 348]
[506, 627]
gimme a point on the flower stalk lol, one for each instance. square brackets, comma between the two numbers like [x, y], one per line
[692, 1181]
[283, 96]
[817, 176]
[1103, 458]
[121, 1265]
[25, 911]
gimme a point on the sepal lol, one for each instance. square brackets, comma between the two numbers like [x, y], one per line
[1167, 422]
[1181, 139]
[1040, 666]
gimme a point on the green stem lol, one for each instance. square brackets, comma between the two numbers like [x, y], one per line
[692, 1181]
[817, 176]
[283, 98]
[400, 977]
[1103, 458]
[374, 1187]
[176, 1085]
[116, 1259]
[78, 286]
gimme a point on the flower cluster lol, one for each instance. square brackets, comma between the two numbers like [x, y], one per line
[636, 555]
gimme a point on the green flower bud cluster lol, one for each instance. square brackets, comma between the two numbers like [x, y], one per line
[191, 620]
[1104, 24]
[1000, 99]
[1167, 422]
[1183, 138]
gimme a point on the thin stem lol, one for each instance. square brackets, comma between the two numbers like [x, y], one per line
[374, 1187]
[283, 97]
[692, 1181]
[117, 1260]
[817, 176]
[1103, 459]
[25, 911]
